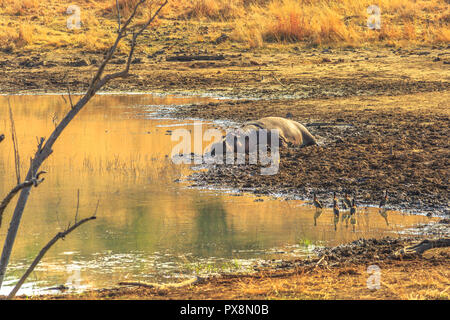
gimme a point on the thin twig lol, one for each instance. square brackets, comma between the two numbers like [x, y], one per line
[78, 205]
[15, 144]
[423, 246]
[60, 235]
[15, 190]
[68, 90]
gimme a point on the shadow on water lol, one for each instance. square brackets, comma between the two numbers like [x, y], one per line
[211, 229]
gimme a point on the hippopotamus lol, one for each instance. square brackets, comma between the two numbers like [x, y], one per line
[289, 132]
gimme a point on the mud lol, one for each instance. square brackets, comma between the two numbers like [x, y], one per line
[266, 74]
[367, 251]
[365, 147]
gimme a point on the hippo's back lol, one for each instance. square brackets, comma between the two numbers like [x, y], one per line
[290, 131]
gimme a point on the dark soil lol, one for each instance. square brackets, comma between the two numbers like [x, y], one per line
[364, 148]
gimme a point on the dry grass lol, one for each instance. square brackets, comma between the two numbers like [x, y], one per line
[344, 22]
[33, 23]
[405, 280]
[255, 23]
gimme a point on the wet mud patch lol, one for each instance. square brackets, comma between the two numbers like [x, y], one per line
[367, 251]
[243, 73]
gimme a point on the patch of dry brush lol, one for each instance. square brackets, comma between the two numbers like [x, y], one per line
[255, 23]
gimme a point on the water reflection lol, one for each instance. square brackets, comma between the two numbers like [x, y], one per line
[384, 213]
[212, 234]
[317, 215]
[149, 227]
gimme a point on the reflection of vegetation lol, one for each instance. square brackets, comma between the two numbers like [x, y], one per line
[306, 242]
[335, 221]
[202, 268]
[384, 213]
[212, 230]
[316, 216]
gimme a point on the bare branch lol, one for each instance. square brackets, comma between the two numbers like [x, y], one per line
[68, 90]
[45, 150]
[118, 15]
[15, 144]
[96, 208]
[70, 96]
[125, 71]
[60, 235]
[97, 82]
[36, 181]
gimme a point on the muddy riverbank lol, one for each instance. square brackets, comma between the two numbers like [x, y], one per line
[340, 272]
[366, 146]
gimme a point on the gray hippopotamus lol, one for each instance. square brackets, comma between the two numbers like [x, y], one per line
[289, 132]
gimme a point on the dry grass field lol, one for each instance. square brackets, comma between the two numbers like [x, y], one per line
[253, 23]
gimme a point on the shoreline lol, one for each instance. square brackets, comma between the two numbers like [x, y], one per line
[334, 267]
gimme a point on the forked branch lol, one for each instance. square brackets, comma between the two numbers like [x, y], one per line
[59, 235]
[423, 246]
[33, 182]
[15, 144]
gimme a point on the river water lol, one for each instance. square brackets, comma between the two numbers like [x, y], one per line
[150, 227]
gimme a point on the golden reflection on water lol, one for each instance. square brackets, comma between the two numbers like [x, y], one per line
[148, 225]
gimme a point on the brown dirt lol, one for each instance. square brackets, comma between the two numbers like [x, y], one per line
[274, 72]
